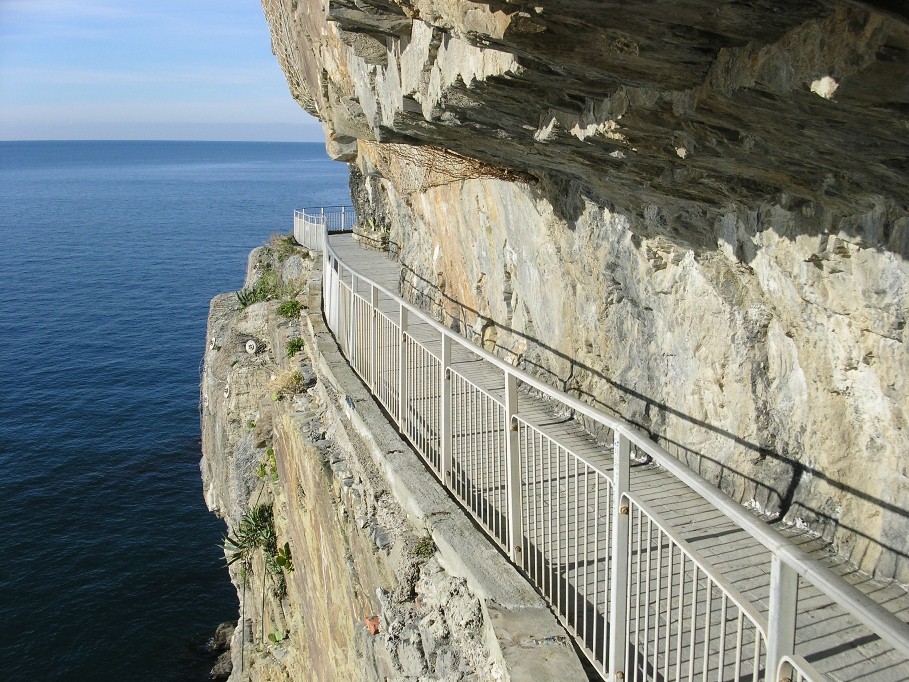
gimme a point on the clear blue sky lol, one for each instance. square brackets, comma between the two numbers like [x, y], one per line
[153, 69]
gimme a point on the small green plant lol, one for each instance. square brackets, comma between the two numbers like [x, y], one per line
[425, 547]
[277, 637]
[266, 288]
[294, 346]
[287, 385]
[284, 559]
[290, 309]
[250, 424]
[383, 228]
[268, 467]
[283, 246]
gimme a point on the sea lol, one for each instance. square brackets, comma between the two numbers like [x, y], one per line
[110, 564]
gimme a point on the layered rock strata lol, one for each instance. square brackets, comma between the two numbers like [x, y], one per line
[692, 215]
[383, 578]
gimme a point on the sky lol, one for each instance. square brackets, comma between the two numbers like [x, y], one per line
[143, 70]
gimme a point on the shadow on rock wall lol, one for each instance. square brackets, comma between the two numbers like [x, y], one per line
[778, 483]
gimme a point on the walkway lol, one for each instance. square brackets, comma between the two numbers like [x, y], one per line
[695, 587]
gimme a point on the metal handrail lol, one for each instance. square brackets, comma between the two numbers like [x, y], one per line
[790, 556]
[796, 669]
[322, 209]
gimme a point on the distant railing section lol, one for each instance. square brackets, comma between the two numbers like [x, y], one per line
[640, 602]
[311, 224]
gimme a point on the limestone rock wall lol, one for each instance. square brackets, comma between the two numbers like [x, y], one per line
[691, 214]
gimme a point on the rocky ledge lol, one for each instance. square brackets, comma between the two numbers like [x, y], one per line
[350, 561]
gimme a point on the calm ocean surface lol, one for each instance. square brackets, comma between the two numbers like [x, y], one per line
[109, 562]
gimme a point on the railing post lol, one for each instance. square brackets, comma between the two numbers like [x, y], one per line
[374, 337]
[445, 413]
[515, 523]
[343, 312]
[326, 289]
[403, 392]
[618, 607]
[352, 324]
[327, 284]
[343, 221]
[784, 595]
[333, 294]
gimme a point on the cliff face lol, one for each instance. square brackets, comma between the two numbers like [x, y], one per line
[691, 214]
[350, 561]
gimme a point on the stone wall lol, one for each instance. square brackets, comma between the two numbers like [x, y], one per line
[692, 215]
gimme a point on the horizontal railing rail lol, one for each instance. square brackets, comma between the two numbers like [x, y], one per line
[576, 526]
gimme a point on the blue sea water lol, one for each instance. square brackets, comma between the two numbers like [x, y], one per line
[109, 562]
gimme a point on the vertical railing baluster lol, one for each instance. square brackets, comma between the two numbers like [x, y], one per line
[352, 323]
[445, 412]
[618, 612]
[374, 337]
[596, 575]
[326, 290]
[513, 471]
[326, 282]
[333, 293]
[784, 594]
[403, 396]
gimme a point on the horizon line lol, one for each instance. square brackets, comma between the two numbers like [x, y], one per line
[160, 140]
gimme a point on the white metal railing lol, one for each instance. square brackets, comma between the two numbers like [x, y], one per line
[699, 623]
[581, 532]
[310, 224]
[797, 669]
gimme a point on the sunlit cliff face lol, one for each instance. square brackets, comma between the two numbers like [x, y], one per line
[692, 215]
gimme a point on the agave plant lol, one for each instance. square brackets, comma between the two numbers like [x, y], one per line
[266, 288]
[256, 529]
